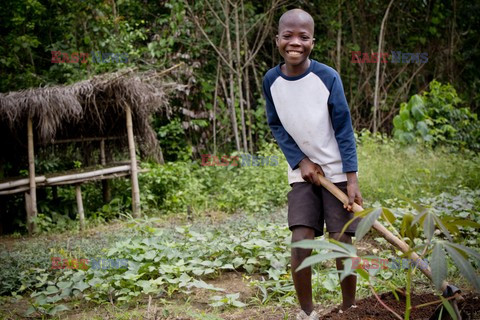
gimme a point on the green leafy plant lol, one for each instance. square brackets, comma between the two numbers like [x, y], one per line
[436, 118]
[428, 245]
[227, 300]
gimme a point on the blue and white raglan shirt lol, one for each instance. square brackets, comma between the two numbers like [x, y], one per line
[309, 117]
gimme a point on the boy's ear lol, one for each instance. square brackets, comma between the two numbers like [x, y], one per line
[276, 39]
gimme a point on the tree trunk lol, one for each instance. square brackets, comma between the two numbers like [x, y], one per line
[239, 80]
[248, 94]
[377, 73]
[230, 78]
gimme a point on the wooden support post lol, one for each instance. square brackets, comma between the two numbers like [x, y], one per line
[81, 215]
[32, 207]
[106, 191]
[133, 165]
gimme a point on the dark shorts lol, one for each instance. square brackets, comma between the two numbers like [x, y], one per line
[310, 205]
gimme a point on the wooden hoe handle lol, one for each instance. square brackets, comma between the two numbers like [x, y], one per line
[384, 232]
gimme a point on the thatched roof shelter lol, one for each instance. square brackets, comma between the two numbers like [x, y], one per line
[89, 108]
[105, 106]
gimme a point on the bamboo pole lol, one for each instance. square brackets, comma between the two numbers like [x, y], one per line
[81, 215]
[32, 209]
[88, 174]
[106, 191]
[87, 139]
[16, 190]
[95, 178]
[20, 182]
[103, 177]
[133, 160]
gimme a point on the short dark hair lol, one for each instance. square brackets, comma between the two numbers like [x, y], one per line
[296, 14]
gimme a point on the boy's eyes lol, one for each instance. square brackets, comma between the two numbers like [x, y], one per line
[288, 36]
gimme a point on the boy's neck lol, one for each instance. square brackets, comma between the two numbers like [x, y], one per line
[293, 71]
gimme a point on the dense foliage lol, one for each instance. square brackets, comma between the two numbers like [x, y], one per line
[436, 118]
[222, 49]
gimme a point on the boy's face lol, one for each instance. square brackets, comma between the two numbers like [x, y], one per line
[295, 40]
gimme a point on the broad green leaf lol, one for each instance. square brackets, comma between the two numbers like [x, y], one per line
[364, 274]
[442, 226]
[417, 107]
[397, 122]
[404, 114]
[409, 125]
[319, 258]
[203, 285]
[30, 310]
[81, 286]
[466, 223]
[54, 299]
[238, 304]
[467, 250]
[363, 213]
[449, 308]
[51, 290]
[64, 284]
[318, 244]
[422, 128]
[347, 268]
[388, 215]
[349, 249]
[366, 223]
[439, 266]
[415, 101]
[464, 266]
[429, 226]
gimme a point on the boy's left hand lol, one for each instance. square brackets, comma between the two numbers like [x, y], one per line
[353, 191]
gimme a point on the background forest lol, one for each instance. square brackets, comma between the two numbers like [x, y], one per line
[221, 49]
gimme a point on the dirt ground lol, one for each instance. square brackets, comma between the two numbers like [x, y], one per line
[370, 308]
[194, 306]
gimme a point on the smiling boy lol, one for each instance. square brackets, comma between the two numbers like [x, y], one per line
[309, 117]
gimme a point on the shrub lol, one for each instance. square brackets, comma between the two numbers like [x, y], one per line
[436, 118]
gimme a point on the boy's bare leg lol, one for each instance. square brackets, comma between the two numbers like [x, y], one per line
[303, 278]
[349, 284]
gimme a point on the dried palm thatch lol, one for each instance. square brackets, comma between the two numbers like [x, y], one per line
[89, 108]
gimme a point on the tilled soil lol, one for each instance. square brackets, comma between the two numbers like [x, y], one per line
[370, 308]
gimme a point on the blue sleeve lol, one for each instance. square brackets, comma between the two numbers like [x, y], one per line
[342, 125]
[289, 147]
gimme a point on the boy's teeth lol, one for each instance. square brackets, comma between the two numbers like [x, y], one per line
[294, 53]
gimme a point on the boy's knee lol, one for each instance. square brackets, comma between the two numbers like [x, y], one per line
[299, 234]
[345, 238]
[299, 254]
[302, 233]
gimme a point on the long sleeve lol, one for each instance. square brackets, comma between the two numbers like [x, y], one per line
[342, 125]
[289, 147]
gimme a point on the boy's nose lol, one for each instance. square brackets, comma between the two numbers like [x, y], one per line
[295, 42]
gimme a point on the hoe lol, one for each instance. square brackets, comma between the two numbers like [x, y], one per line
[449, 291]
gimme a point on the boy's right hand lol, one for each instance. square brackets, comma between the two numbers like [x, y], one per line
[310, 171]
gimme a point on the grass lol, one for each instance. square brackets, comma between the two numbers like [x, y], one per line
[436, 178]
[388, 170]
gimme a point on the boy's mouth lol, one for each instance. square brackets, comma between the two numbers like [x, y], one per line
[294, 53]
